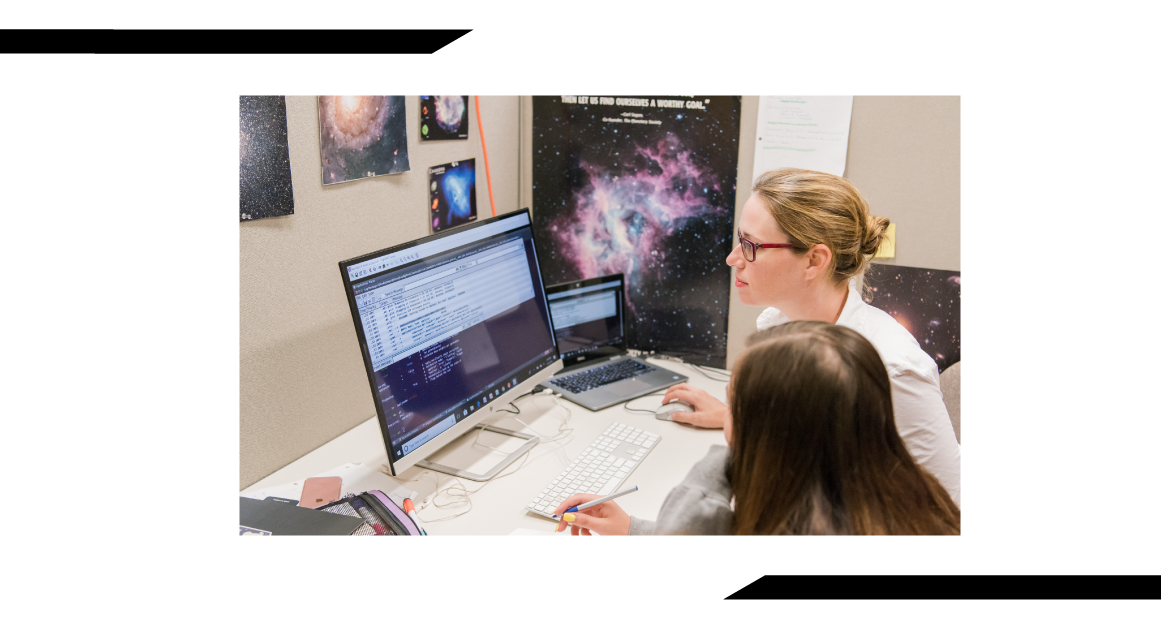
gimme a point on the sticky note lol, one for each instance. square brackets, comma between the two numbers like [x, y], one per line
[887, 245]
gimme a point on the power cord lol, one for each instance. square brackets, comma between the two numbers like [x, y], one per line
[702, 369]
[708, 375]
[638, 410]
[458, 494]
[717, 371]
[562, 430]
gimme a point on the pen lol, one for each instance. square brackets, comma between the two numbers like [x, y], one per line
[410, 508]
[601, 500]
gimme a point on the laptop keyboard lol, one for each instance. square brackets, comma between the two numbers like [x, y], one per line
[602, 375]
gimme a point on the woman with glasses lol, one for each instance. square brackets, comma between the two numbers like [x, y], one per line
[813, 450]
[804, 237]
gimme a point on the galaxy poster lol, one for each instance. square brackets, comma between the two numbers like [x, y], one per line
[443, 117]
[264, 159]
[453, 194]
[644, 186]
[925, 301]
[362, 136]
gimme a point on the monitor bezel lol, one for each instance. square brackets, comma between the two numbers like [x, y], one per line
[552, 362]
[609, 350]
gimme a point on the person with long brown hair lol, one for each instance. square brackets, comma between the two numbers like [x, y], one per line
[813, 449]
[804, 238]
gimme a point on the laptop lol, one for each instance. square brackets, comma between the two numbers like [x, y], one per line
[589, 319]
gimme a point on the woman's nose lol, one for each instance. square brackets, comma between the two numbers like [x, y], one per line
[735, 259]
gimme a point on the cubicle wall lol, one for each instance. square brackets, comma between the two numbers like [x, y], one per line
[302, 377]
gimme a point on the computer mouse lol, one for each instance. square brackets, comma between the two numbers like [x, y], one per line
[665, 412]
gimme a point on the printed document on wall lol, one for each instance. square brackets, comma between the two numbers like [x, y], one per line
[807, 132]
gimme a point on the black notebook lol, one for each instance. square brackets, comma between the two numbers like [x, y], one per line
[280, 517]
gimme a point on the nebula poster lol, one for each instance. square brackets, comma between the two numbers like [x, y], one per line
[443, 117]
[264, 159]
[362, 136]
[644, 186]
[925, 301]
[453, 194]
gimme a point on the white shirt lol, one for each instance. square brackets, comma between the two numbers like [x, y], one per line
[920, 414]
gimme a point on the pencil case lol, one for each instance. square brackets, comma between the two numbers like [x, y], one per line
[381, 514]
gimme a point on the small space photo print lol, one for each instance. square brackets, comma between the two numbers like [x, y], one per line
[264, 158]
[453, 194]
[362, 136]
[926, 302]
[443, 117]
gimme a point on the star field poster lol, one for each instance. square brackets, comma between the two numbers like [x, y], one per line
[264, 159]
[453, 194]
[443, 117]
[926, 302]
[362, 136]
[644, 186]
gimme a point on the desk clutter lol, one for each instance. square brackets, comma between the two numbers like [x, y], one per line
[372, 506]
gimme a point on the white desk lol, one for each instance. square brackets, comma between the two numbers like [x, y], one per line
[499, 506]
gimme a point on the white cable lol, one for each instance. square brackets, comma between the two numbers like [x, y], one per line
[459, 494]
[562, 430]
[463, 496]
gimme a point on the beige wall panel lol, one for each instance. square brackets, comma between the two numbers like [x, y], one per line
[302, 376]
[904, 158]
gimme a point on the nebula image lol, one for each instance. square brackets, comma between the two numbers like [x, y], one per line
[453, 194]
[443, 117]
[361, 136]
[264, 158]
[621, 219]
[652, 198]
[449, 112]
[926, 302]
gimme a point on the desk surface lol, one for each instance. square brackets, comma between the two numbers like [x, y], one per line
[498, 507]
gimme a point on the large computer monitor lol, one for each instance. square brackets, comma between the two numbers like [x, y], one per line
[451, 327]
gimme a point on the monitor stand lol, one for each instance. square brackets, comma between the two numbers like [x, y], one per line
[529, 443]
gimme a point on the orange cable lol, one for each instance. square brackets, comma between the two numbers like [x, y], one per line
[487, 169]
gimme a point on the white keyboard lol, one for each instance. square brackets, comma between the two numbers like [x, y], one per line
[600, 469]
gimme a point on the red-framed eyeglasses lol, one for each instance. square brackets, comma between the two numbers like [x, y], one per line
[749, 248]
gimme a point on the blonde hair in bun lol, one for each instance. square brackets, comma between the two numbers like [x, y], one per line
[813, 207]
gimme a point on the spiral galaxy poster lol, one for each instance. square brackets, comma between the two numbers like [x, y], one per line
[443, 117]
[453, 194]
[644, 186]
[362, 136]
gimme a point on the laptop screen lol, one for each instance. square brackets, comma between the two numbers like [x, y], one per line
[587, 315]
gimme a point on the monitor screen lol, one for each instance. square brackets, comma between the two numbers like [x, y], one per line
[448, 323]
[587, 315]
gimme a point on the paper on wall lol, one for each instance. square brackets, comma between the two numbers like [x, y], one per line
[887, 245]
[356, 479]
[807, 132]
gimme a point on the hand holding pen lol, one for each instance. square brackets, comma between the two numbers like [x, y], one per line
[588, 513]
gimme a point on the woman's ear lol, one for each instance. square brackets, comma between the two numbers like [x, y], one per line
[817, 260]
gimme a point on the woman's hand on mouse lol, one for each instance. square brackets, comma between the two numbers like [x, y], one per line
[604, 519]
[707, 411]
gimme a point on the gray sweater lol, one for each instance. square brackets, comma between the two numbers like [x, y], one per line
[700, 505]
